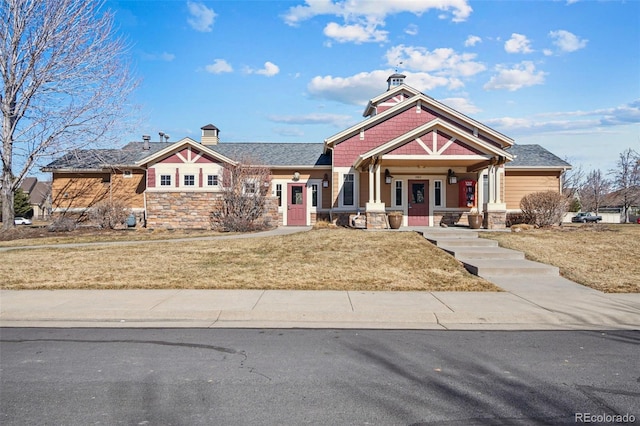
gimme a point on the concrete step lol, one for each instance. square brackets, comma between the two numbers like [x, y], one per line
[463, 242]
[489, 253]
[511, 267]
[441, 233]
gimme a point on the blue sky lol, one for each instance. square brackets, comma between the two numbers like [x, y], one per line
[562, 74]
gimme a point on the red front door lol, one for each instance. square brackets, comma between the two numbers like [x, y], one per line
[297, 205]
[418, 203]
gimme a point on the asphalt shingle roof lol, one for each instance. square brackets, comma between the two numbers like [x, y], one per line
[533, 156]
[272, 154]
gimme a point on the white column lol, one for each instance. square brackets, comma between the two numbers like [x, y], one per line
[377, 183]
[492, 188]
[371, 183]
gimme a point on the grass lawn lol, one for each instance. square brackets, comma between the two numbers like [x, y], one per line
[321, 259]
[605, 257]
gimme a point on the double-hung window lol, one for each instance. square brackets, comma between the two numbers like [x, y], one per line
[212, 180]
[348, 187]
[165, 180]
[189, 180]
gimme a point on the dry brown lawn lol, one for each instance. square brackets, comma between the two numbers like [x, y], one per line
[603, 257]
[321, 259]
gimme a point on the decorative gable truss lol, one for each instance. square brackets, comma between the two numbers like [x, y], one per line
[435, 142]
[185, 166]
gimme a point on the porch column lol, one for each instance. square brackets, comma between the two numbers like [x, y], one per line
[371, 201]
[495, 211]
[377, 184]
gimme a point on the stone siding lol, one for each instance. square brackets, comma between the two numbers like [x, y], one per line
[192, 210]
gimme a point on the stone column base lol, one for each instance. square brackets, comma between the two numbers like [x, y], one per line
[376, 220]
[496, 219]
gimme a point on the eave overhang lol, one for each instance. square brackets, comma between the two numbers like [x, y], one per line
[182, 143]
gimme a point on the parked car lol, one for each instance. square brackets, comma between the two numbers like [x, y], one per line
[585, 217]
[21, 221]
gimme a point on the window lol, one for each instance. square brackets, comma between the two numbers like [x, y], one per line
[314, 195]
[437, 193]
[127, 173]
[347, 190]
[398, 193]
[279, 194]
[189, 180]
[212, 180]
[165, 180]
[249, 188]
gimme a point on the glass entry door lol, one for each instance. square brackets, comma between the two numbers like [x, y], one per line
[418, 203]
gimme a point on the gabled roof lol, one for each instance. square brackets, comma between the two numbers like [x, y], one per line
[431, 125]
[180, 144]
[133, 155]
[534, 156]
[396, 90]
[440, 108]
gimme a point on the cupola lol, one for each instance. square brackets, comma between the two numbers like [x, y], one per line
[395, 80]
[210, 135]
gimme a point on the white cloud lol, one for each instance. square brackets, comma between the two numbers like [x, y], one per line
[336, 120]
[202, 17]
[472, 40]
[547, 52]
[164, 56]
[219, 66]
[566, 41]
[521, 75]
[270, 69]
[444, 61]
[518, 43]
[359, 88]
[362, 18]
[373, 10]
[463, 105]
[412, 29]
[354, 33]
[566, 123]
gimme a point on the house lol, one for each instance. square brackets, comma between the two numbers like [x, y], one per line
[411, 153]
[39, 194]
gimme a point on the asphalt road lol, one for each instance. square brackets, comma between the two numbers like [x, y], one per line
[322, 377]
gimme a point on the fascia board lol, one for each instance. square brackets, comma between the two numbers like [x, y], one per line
[301, 167]
[371, 104]
[183, 142]
[534, 168]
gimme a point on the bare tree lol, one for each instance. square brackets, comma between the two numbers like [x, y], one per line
[626, 180]
[244, 198]
[594, 191]
[65, 83]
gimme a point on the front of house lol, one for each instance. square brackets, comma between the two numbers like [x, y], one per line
[410, 154]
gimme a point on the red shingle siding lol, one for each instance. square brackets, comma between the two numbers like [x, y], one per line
[413, 147]
[346, 152]
[459, 148]
[151, 178]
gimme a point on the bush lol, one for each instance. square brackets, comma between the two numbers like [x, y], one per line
[62, 224]
[109, 214]
[544, 208]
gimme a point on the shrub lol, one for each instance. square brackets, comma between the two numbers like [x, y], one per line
[109, 214]
[62, 224]
[543, 208]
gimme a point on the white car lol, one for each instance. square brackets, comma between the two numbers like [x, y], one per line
[21, 221]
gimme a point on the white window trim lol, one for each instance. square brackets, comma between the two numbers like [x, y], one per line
[356, 193]
[443, 195]
[127, 174]
[318, 183]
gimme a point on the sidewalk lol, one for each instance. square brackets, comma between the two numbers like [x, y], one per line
[529, 302]
[510, 310]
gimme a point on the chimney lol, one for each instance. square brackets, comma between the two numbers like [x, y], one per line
[161, 134]
[210, 135]
[145, 145]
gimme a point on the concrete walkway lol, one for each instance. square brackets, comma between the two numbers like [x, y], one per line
[532, 300]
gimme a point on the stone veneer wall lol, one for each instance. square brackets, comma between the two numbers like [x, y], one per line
[192, 210]
[495, 220]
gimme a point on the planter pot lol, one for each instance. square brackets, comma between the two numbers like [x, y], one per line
[395, 221]
[475, 221]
